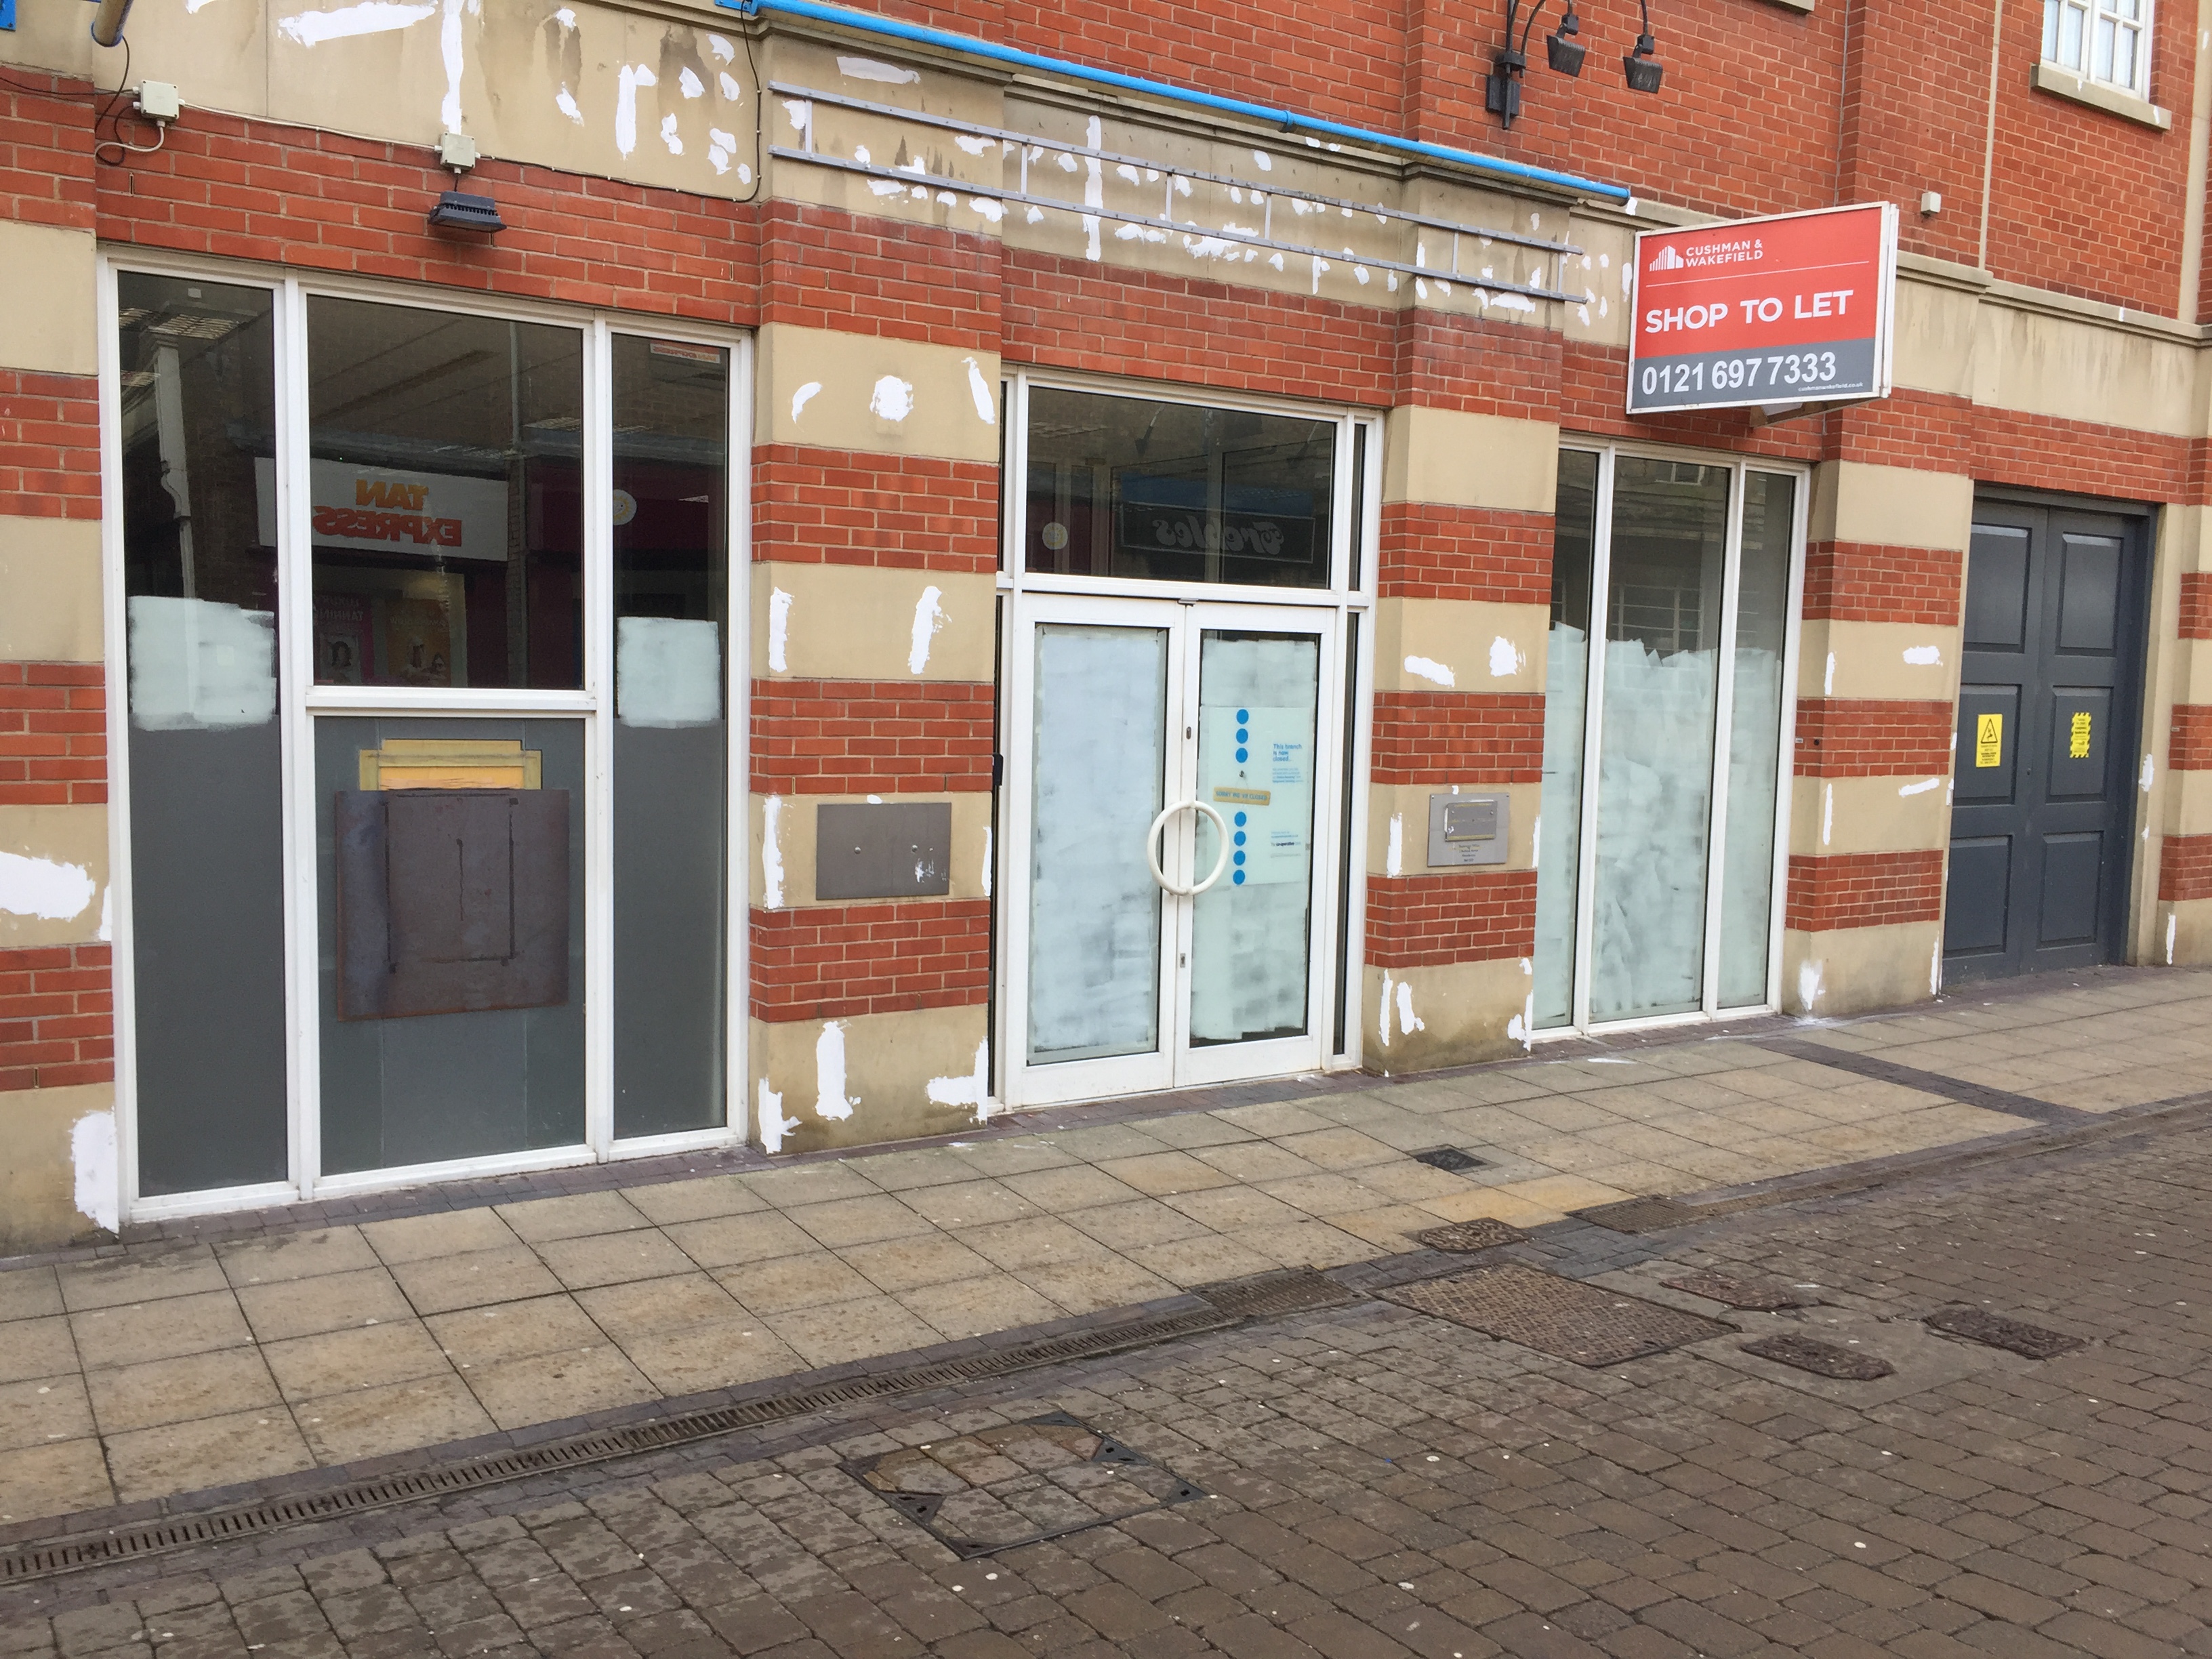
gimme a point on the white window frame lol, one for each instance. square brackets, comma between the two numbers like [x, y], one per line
[1340, 913]
[2092, 17]
[1580, 1023]
[300, 701]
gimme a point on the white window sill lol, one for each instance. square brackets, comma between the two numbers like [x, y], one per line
[2052, 77]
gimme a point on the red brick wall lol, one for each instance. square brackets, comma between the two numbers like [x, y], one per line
[2190, 747]
[1858, 581]
[53, 733]
[825, 268]
[49, 444]
[830, 962]
[1867, 737]
[870, 737]
[1458, 736]
[2197, 606]
[1864, 890]
[2185, 868]
[835, 507]
[57, 1017]
[1446, 916]
[1432, 551]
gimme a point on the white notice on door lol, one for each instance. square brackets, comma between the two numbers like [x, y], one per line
[1258, 775]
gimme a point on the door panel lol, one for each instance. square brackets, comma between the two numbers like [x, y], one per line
[2045, 747]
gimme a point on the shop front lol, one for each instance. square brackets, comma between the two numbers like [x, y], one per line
[426, 610]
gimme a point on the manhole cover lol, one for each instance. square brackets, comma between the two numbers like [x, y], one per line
[1464, 1238]
[1821, 1358]
[991, 1490]
[1976, 1325]
[1564, 1317]
[1448, 1157]
[1638, 1215]
[1756, 1295]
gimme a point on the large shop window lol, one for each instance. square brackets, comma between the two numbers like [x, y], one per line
[473, 600]
[1664, 715]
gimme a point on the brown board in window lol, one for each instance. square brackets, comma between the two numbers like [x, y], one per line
[452, 900]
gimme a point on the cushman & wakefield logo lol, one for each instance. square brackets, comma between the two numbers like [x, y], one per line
[1732, 252]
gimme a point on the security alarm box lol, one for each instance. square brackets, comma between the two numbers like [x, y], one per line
[1469, 829]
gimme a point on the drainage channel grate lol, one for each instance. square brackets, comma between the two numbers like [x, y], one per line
[1021, 1482]
[1753, 1295]
[1995, 1331]
[1564, 1317]
[1267, 1297]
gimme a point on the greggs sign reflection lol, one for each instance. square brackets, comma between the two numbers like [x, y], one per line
[1774, 312]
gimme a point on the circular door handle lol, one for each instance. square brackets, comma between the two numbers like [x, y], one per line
[1153, 842]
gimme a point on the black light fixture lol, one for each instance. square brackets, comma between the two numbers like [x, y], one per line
[460, 210]
[1642, 66]
[1567, 55]
[1501, 88]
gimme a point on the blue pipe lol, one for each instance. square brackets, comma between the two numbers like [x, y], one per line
[1289, 120]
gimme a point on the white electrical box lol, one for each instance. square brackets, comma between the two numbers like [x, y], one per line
[157, 101]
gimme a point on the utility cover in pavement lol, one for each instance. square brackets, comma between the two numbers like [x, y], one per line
[1564, 1317]
[1448, 1157]
[1821, 1358]
[1993, 1330]
[1638, 1215]
[1756, 1295]
[989, 1491]
[1464, 1238]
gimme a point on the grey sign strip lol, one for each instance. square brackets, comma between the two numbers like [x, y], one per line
[1931, 1083]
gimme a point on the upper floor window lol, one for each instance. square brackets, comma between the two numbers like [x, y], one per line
[2104, 41]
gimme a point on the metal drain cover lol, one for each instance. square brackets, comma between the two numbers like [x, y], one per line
[1464, 1238]
[1821, 1358]
[1564, 1317]
[1019, 1484]
[1977, 1325]
[1638, 1215]
[1754, 1295]
[1448, 1157]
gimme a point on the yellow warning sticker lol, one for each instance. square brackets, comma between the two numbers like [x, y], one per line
[1989, 739]
[2077, 740]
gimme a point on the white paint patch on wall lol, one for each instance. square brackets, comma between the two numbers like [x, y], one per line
[2171, 918]
[1921, 787]
[774, 1125]
[892, 399]
[1429, 669]
[1408, 1021]
[449, 47]
[970, 1090]
[692, 85]
[987, 407]
[804, 396]
[987, 860]
[1094, 185]
[311, 28]
[1394, 860]
[928, 621]
[771, 854]
[831, 1100]
[1827, 813]
[1935, 968]
[2148, 773]
[1505, 661]
[92, 1155]
[633, 76]
[45, 888]
[867, 69]
[1383, 1024]
[565, 102]
[1809, 984]
[779, 629]
[1828, 682]
[668, 135]
[1924, 656]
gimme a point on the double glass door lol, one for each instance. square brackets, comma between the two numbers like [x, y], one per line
[1171, 811]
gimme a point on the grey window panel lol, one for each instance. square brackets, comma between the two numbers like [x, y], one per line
[1980, 895]
[2089, 595]
[892, 850]
[1996, 589]
[452, 900]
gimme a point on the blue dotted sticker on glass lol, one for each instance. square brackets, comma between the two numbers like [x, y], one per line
[1237, 880]
[1240, 817]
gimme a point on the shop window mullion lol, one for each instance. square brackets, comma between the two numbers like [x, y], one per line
[1593, 734]
[1723, 737]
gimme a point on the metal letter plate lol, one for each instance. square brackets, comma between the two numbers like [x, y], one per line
[864, 850]
[1469, 829]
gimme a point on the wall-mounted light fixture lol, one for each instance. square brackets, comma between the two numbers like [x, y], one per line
[459, 209]
[1567, 55]
[1642, 66]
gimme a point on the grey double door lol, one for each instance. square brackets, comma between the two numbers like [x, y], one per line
[2046, 742]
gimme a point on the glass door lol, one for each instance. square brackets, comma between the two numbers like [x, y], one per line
[1673, 584]
[1163, 812]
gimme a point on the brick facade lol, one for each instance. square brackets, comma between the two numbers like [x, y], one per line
[1448, 916]
[1872, 738]
[57, 1017]
[53, 733]
[1864, 890]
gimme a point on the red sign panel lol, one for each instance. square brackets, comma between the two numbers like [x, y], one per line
[1780, 311]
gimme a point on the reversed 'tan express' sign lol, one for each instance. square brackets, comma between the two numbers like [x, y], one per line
[380, 509]
[1775, 311]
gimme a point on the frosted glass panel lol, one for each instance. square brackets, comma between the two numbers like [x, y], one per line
[1256, 699]
[1755, 740]
[1101, 719]
[1655, 767]
[1566, 692]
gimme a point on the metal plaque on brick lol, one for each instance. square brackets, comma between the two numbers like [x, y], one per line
[1469, 829]
[1773, 313]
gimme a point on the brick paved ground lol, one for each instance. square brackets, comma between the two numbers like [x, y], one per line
[1386, 1484]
